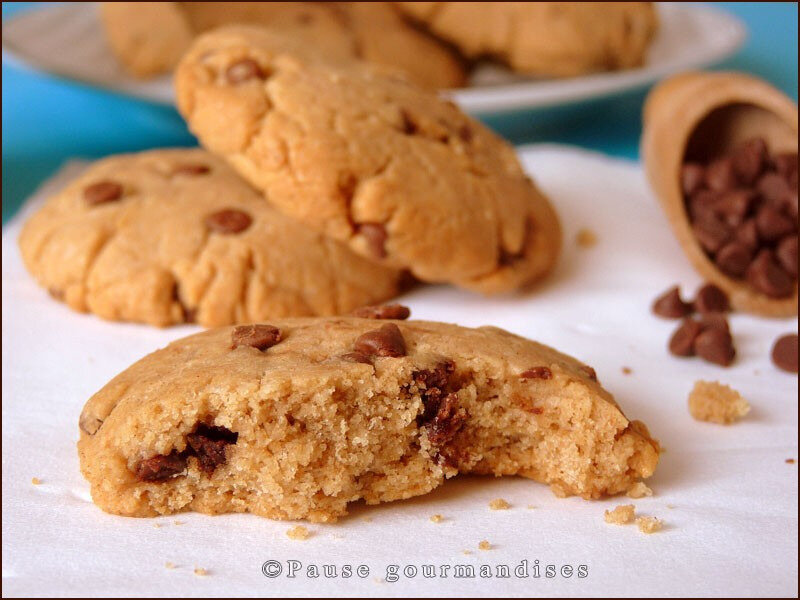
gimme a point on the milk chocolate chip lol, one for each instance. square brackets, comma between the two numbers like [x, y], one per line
[784, 353]
[765, 275]
[375, 235]
[259, 337]
[710, 298]
[715, 345]
[387, 311]
[669, 305]
[228, 221]
[537, 373]
[243, 70]
[191, 169]
[161, 467]
[102, 192]
[682, 341]
[208, 443]
[386, 341]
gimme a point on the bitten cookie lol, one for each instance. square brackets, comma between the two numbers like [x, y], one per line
[559, 39]
[173, 236]
[296, 418]
[149, 37]
[400, 175]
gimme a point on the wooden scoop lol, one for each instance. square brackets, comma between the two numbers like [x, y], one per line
[702, 116]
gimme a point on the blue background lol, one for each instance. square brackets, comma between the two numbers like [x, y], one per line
[47, 121]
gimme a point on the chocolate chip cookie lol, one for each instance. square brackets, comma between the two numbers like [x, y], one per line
[149, 37]
[174, 236]
[295, 418]
[398, 174]
[555, 39]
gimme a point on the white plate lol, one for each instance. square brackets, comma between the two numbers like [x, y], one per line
[67, 40]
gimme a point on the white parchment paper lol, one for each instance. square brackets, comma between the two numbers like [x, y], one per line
[726, 494]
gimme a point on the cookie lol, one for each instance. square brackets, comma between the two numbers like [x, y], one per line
[174, 236]
[296, 418]
[398, 174]
[554, 39]
[149, 37]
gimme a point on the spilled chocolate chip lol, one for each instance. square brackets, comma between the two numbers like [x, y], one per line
[711, 298]
[784, 353]
[102, 192]
[191, 169]
[715, 345]
[715, 320]
[160, 467]
[257, 336]
[682, 341]
[670, 305]
[766, 276]
[228, 221]
[386, 311]
[386, 341]
[208, 444]
[375, 235]
[537, 373]
[244, 70]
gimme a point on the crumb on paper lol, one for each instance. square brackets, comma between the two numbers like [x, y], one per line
[466, 552]
[337, 536]
[789, 461]
[169, 565]
[670, 506]
[485, 545]
[715, 402]
[378, 580]
[200, 571]
[648, 524]
[531, 506]
[621, 515]
[36, 481]
[639, 490]
[298, 533]
[627, 370]
[559, 490]
[499, 504]
[368, 519]
[437, 518]
[586, 238]
[157, 525]
[179, 522]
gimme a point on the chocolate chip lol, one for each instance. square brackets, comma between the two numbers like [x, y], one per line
[785, 164]
[682, 341]
[102, 192]
[433, 385]
[747, 233]
[701, 204]
[711, 298]
[375, 235]
[537, 373]
[357, 357]
[386, 341]
[191, 169]
[784, 353]
[766, 276]
[448, 421]
[711, 233]
[749, 160]
[720, 176]
[733, 259]
[89, 424]
[244, 70]
[715, 320]
[408, 125]
[669, 305]
[465, 133]
[387, 311]
[228, 221]
[715, 345]
[774, 189]
[208, 444]
[786, 253]
[732, 206]
[260, 337]
[773, 225]
[160, 467]
[589, 372]
[692, 178]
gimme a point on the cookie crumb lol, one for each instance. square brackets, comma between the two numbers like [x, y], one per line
[157, 525]
[531, 506]
[169, 565]
[639, 490]
[621, 515]
[715, 402]
[558, 490]
[298, 533]
[179, 522]
[627, 370]
[36, 481]
[485, 545]
[499, 504]
[466, 552]
[789, 461]
[585, 238]
[437, 518]
[200, 571]
[648, 524]
[368, 519]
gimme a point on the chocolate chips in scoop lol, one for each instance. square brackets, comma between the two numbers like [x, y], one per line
[743, 212]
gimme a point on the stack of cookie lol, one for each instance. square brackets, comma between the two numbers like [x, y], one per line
[327, 184]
